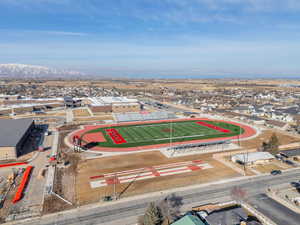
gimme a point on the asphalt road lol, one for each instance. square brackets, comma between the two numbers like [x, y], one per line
[275, 211]
[128, 210]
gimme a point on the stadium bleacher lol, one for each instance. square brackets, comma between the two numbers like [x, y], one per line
[197, 145]
[160, 115]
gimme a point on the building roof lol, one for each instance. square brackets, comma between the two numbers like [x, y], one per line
[291, 152]
[252, 157]
[189, 220]
[230, 216]
[276, 123]
[96, 101]
[12, 130]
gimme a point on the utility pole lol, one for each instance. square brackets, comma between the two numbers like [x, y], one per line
[239, 136]
[115, 182]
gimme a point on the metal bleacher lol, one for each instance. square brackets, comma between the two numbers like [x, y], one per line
[160, 115]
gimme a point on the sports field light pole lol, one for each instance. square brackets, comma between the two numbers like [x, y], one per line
[171, 133]
[244, 156]
[239, 136]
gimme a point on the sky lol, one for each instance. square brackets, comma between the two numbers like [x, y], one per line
[155, 38]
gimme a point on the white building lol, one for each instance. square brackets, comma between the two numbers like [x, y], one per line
[253, 158]
[117, 104]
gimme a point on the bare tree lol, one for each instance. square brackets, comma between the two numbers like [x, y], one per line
[272, 145]
[170, 207]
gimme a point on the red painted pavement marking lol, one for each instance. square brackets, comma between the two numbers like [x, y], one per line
[96, 177]
[197, 161]
[112, 180]
[115, 136]
[172, 171]
[194, 167]
[151, 169]
[151, 172]
[172, 164]
[213, 127]
[154, 171]
[134, 177]
[12, 164]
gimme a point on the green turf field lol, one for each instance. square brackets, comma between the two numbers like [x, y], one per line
[160, 133]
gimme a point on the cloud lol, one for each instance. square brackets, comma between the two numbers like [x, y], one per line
[22, 32]
[165, 11]
[63, 33]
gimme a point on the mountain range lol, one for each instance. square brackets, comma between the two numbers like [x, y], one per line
[33, 71]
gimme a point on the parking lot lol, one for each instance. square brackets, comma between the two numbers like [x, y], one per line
[278, 213]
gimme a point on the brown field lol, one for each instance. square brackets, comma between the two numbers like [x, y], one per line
[81, 112]
[85, 194]
[267, 168]
[265, 136]
[187, 84]
[58, 113]
[94, 118]
[101, 113]
[4, 117]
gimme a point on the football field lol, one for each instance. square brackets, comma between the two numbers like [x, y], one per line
[164, 132]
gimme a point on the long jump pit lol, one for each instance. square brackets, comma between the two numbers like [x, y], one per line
[140, 136]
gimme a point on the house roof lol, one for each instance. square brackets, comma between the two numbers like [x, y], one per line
[230, 216]
[276, 123]
[189, 220]
[12, 130]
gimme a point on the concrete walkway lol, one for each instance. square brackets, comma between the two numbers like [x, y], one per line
[90, 111]
[69, 116]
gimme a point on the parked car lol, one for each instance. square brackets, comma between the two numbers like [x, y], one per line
[107, 198]
[289, 162]
[284, 155]
[279, 157]
[295, 184]
[275, 172]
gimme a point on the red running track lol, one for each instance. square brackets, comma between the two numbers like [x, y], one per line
[213, 127]
[248, 132]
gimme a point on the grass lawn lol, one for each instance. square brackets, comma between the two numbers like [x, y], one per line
[160, 133]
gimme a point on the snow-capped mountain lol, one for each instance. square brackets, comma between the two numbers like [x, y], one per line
[31, 71]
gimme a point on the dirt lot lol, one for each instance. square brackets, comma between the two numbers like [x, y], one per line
[265, 136]
[63, 186]
[57, 113]
[95, 118]
[267, 168]
[5, 117]
[81, 112]
[88, 168]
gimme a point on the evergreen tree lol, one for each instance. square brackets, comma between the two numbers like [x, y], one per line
[152, 215]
